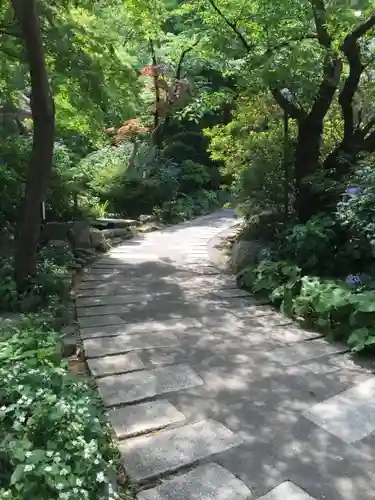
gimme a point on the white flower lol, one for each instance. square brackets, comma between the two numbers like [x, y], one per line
[48, 468]
[100, 477]
[78, 482]
[49, 453]
[63, 472]
[29, 467]
[28, 454]
[59, 486]
[64, 495]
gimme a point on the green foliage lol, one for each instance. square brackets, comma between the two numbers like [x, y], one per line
[179, 152]
[331, 306]
[193, 177]
[312, 245]
[356, 210]
[52, 443]
[50, 283]
[186, 207]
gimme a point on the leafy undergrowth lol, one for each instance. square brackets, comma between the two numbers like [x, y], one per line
[306, 272]
[52, 443]
[55, 442]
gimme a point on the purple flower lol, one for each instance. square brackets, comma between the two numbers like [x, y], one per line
[357, 280]
[353, 190]
[353, 280]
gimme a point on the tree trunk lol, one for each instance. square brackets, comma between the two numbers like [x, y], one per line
[307, 202]
[40, 167]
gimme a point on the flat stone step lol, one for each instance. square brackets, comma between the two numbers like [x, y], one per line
[304, 351]
[287, 491]
[350, 415]
[103, 346]
[148, 457]
[117, 260]
[105, 275]
[101, 310]
[99, 321]
[112, 300]
[145, 327]
[206, 482]
[136, 386]
[109, 365]
[231, 292]
[144, 417]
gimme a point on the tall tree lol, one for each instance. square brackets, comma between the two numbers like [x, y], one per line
[40, 167]
[318, 51]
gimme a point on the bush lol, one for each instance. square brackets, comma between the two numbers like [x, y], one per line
[52, 443]
[186, 207]
[196, 141]
[179, 152]
[50, 282]
[356, 211]
[193, 177]
[331, 306]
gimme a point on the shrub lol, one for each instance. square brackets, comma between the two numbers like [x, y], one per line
[192, 177]
[198, 142]
[332, 306]
[52, 443]
[179, 152]
[323, 247]
[356, 211]
[50, 281]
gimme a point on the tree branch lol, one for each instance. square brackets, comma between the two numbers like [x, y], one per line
[246, 45]
[181, 59]
[320, 18]
[352, 52]
[156, 88]
[326, 90]
[288, 106]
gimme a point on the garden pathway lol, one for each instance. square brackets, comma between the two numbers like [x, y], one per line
[212, 396]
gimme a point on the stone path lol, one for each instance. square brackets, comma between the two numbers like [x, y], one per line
[212, 396]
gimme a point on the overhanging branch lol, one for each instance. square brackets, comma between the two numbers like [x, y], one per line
[181, 59]
[288, 106]
[352, 51]
[320, 19]
[233, 26]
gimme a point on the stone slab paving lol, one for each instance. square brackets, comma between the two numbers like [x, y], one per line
[99, 321]
[136, 386]
[103, 346]
[137, 419]
[101, 310]
[166, 451]
[107, 300]
[206, 482]
[146, 327]
[300, 352]
[287, 491]
[234, 382]
[109, 365]
[349, 415]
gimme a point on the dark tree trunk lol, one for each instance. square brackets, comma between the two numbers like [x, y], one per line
[307, 202]
[40, 167]
[157, 124]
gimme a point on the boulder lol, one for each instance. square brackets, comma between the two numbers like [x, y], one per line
[124, 233]
[143, 219]
[246, 253]
[81, 234]
[107, 223]
[98, 240]
[76, 233]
